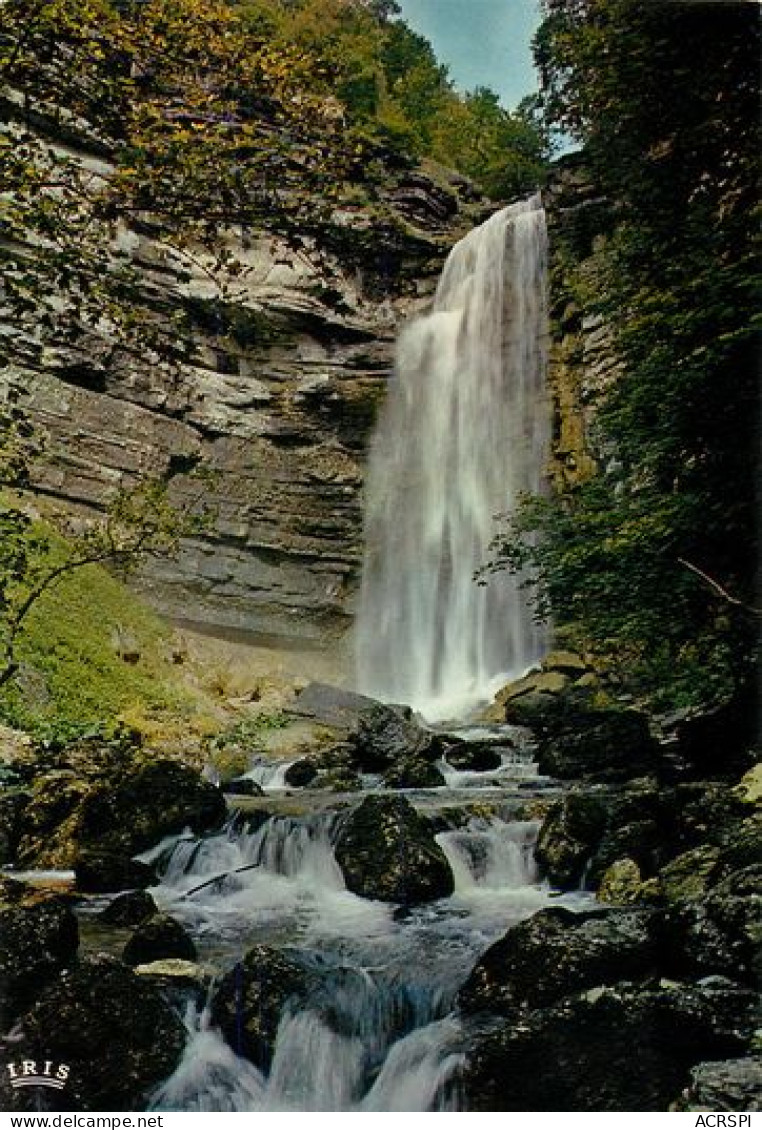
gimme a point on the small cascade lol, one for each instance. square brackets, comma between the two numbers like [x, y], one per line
[377, 1028]
[297, 849]
[268, 774]
[491, 855]
[327, 1058]
[464, 432]
[226, 882]
[515, 765]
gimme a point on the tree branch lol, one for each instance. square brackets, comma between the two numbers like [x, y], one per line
[717, 587]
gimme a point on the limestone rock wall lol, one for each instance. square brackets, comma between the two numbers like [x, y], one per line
[582, 360]
[278, 393]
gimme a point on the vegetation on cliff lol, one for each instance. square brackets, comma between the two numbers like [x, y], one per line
[652, 561]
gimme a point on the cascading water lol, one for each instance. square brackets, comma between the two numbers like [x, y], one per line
[377, 1032]
[463, 433]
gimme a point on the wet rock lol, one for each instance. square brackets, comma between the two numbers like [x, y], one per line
[177, 978]
[243, 786]
[413, 773]
[101, 871]
[302, 773]
[156, 800]
[724, 1085]
[129, 909]
[50, 821]
[602, 745]
[156, 938]
[556, 953]
[387, 851]
[701, 812]
[252, 996]
[336, 770]
[640, 840]
[749, 788]
[112, 1027]
[331, 705]
[12, 808]
[689, 875]
[36, 941]
[339, 781]
[567, 662]
[617, 1048]
[742, 847]
[570, 833]
[621, 884]
[385, 735]
[719, 934]
[473, 757]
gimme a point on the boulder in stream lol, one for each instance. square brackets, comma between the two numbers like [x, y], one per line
[473, 757]
[413, 773]
[571, 831]
[129, 909]
[97, 872]
[251, 997]
[301, 773]
[385, 735]
[556, 953]
[159, 937]
[387, 851]
[112, 1028]
[609, 1048]
[157, 799]
[38, 937]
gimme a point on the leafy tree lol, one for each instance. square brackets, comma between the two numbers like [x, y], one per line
[654, 561]
[501, 151]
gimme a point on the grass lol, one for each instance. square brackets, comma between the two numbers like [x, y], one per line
[71, 676]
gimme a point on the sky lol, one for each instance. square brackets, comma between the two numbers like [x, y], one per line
[482, 42]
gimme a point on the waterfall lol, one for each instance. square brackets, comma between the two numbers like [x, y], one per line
[463, 433]
[491, 855]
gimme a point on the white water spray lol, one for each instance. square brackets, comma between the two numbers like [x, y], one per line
[464, 432]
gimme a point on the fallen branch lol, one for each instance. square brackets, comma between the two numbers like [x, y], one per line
[216, 878]
[717, 587]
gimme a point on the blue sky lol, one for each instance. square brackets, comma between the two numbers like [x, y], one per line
[482, 42]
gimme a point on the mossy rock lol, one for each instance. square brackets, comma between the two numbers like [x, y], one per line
[749, 789]
[157, 938]
[387, 851]
[37, 939]
[569, 835]
[251, 998]
[690, 875]
[115, 1030]
[567, 662]
[621, 884]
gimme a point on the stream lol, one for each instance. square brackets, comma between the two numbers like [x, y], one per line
[380, 1030]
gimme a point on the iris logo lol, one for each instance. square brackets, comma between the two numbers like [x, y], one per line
[38, 1073]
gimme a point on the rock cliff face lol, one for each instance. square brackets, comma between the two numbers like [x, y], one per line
[277, 392]
[582, 361]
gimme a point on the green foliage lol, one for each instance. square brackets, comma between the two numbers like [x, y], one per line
[247, 732]
[654, 561]
[70, 675]
[394, 91]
